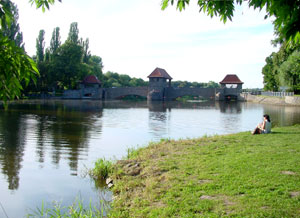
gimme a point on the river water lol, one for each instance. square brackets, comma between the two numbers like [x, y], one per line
[46, 147]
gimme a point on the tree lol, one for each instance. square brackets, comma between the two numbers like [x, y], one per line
[286, 13]
[86, 53]
[68, 61]
[12, 31]
[55, 41]
[95, 62]
[40, 46]
[289, 72]
[73, 33]
[16, 67]
[270, 74]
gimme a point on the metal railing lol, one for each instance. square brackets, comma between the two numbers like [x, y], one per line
[278, 94]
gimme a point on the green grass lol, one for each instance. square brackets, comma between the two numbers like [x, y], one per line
[237, 175]
[77, 210]
[102, 169]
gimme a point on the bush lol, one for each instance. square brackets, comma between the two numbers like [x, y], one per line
[102, 169]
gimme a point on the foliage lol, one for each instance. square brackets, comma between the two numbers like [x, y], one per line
[63, 66]
[16, 67]
[186, 84]
[111, 79]
[73, 36]
[77, 210]
[237, 175]
[102, 169]
[290, 71]
[55, 41]
[282, 69]
[43, 3]
[12, 30]
[286, 13]
[40, 46]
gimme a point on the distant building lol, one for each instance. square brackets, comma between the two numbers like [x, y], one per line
[231, 87]
[90, 81]
[231, 81]
[158, 78]
[90, 87]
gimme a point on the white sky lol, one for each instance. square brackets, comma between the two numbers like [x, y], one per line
[134, 37]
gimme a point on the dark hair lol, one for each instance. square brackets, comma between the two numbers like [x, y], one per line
[267, 117]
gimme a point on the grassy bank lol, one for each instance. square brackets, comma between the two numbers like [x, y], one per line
[236, 175]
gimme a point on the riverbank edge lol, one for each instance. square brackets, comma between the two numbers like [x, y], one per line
[285, 101]
[141, 181]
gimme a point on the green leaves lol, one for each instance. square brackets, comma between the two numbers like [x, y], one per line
[180, 4]
[15, 67]
[43, 3]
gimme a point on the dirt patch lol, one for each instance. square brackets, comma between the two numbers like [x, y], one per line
[203, 181]
[130, 167]
[295, 194]
[207, 197]
[288, 173]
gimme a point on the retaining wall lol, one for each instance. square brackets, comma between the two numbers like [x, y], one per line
[287, 100]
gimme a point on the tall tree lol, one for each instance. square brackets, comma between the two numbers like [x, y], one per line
[12, 31]
[270, 74]
[86, 52]
[55, 41]
[68, 62]
[73, 33]
[40, 46]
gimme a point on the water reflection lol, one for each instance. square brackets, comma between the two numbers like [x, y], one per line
[234, 107]
[13, 137]
[159, 117]
[282, 116]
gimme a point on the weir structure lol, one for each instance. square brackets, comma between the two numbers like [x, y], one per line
[159, 89]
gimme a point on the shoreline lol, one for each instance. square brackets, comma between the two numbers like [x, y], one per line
[224, 175]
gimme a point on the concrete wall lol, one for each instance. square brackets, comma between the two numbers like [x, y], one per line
[287, 100]
[89, 92]
[114, 93]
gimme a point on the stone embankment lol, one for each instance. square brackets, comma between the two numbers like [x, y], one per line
[287, 100]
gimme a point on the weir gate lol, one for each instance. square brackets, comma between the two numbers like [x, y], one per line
[159, 89]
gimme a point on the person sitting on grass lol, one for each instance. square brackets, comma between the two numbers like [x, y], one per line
[264, 127]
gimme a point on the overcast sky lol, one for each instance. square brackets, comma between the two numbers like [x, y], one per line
[134, 37]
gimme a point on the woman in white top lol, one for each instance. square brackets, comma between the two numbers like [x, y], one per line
[264, 127]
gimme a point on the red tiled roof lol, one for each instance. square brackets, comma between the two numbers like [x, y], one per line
[91, 79]
[158, 72]
[231, 79]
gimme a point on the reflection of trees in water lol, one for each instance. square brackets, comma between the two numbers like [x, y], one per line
[65, 126]
[13, 137]
[70, 129]
[282, 115]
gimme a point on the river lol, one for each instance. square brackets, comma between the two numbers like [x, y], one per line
[47, 146]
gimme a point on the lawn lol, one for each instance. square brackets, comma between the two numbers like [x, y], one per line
[238, 175]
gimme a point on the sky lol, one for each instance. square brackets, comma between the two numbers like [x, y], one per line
[134, 37]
